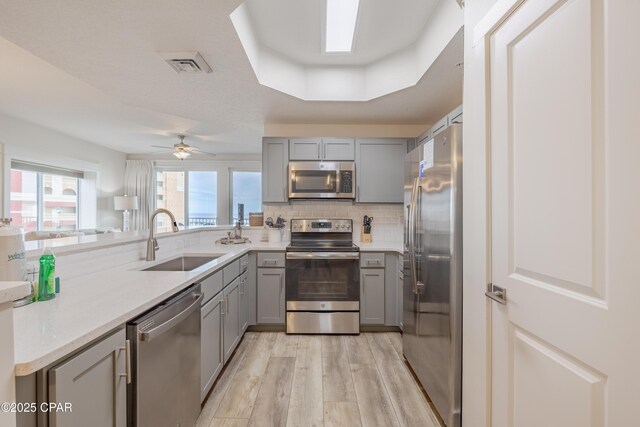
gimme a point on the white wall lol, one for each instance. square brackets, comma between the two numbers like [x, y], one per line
[19, 136]
[476, 385]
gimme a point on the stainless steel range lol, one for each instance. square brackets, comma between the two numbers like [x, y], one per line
[323, 278]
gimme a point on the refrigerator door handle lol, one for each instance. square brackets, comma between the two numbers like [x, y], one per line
[419, 288]
[412, 237]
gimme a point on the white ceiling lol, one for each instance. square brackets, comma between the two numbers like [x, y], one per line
[91, 70]
[295, 28]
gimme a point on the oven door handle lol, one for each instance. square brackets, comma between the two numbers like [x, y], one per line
[323, 255]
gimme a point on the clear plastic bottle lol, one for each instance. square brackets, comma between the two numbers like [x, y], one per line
[46, 276]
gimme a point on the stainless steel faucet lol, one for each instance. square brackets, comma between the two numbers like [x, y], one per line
[152, 243]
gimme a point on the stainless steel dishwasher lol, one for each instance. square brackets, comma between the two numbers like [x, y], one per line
[165, 346]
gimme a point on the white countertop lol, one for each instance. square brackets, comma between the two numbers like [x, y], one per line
[10, 291]
[90, 306]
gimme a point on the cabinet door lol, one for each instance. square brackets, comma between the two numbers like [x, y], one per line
[210, 344]
[439, 126]
[390, 289]
[400, 290]
[231, 325]
[271, 299]
[456, 115]
[250, 288]
[338, 148]
[372, 296]
[305, 149]
[275, 162]
[94, 382]
[244, 303]
[380, 170]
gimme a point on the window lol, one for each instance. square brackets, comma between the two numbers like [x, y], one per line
[192, 196]
[43, 198]
[246, 188]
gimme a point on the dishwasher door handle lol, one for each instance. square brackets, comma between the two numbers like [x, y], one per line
[164, 327]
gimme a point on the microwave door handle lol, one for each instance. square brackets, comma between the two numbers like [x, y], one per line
[338, 187]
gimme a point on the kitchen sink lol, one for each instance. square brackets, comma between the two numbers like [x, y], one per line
[184, 263]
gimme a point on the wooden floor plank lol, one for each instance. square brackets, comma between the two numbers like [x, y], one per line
[272, 403]
[286, 345]
[396, 341]
[222, 384]
[374, 403]
[358, 350]
[306, 406]
[336, 374]
[241, 394]
[410, 406]
[341, 414]
[229, 422]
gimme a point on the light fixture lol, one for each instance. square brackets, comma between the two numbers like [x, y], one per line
[124, 203]
[340, 25]
[182, 154]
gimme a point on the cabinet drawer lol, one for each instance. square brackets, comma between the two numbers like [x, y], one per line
[231, 271]
[244, 263]
[271, 259]
[371, 259]
[211, 286]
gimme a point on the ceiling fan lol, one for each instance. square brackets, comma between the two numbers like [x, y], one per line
[183, 151]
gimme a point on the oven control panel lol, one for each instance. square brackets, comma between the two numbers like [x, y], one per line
[321, 225]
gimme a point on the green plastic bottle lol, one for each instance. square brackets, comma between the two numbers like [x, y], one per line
[46, 276]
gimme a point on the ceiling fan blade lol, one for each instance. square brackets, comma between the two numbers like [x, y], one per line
[162, 146]
[199, 151]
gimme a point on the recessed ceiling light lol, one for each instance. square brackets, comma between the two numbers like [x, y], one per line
[341, 25]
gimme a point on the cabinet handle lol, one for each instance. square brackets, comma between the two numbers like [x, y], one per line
[223, 312]
[358, 187]
[127, 361]
[373, 261]
[281, 282]
[324, 147]
[318, 151]
[226, 305]
[284, 192]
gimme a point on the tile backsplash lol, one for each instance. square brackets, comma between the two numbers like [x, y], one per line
[387, 223]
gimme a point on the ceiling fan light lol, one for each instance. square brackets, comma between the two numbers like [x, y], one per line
[182, 155]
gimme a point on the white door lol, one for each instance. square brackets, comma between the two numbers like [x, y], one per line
[564, 120]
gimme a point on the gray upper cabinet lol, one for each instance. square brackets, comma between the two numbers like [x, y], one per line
[439, 126]
[94, 382]
[372, 296]
[271, 297]
[380, 170]
[322, 149]
[338, 149]
[211, 361]
[231, 322]
[455, 116]
[275, 162]
[305, 148]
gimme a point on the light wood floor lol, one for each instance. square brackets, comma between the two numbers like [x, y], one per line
[276, 379]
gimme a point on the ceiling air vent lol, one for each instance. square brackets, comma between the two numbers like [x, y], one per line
[186, 62]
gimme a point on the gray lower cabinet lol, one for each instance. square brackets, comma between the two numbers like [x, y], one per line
[275, 164]
[250, 287]
[372, 296]
[391, 289]
[210, 344]
[94, 382]
[231, 318]
[380, 170]
[271, 296]
[243, 302]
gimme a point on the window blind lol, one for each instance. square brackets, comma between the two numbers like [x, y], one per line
[35, 167]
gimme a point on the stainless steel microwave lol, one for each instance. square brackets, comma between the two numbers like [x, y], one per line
[322, 180]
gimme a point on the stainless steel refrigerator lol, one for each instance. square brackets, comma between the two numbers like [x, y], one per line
[432, 339]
